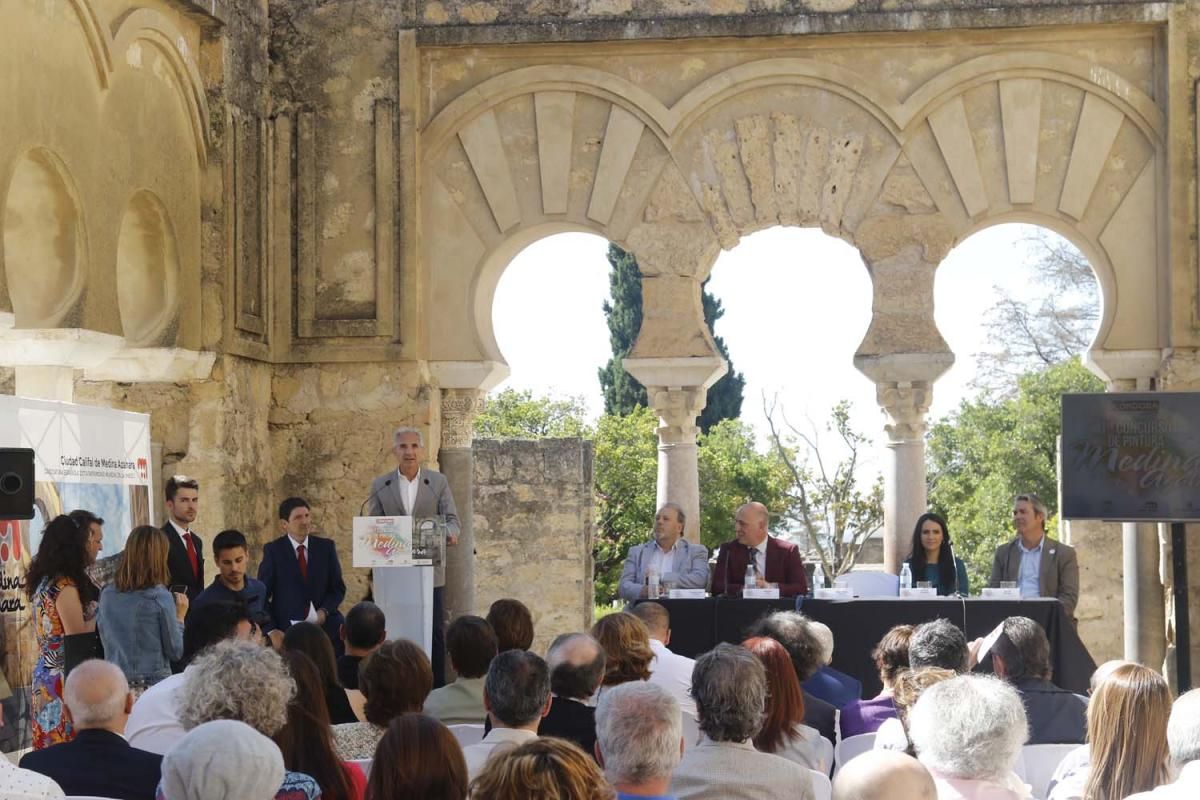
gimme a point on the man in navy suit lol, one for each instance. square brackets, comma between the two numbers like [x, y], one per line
[185, 556]
[98, 761]
[302, 574]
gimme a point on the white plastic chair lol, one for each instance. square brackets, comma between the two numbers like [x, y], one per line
[1037, 764]
[826, 753]
[869, 583]
[822, 787]
[87, 797]
[364, 764]
[467, 733]
[850, 747]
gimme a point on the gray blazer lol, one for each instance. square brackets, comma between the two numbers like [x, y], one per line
[433, 499]
[736, 771]
[689, 568]
[1058, 571]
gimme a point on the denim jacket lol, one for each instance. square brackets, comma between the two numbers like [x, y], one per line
[140, 632]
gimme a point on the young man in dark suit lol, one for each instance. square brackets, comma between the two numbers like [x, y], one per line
[302, 574]
[185, 558]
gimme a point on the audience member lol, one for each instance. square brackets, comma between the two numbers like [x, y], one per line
[940, 643]
[729, 685]
[791, 630]
[1183, 742]
[772, 560]
[883, 775]
[1076, 763]
[233, 585]
[1103, 671]
[932, 558]
[893, 733]
[783, 731]
[308, 638]
[672, 558]
[513, 624]
[669, 670]
[891, 656]
[140, 620]
[626, 644]
[222, 760]
[23, 784]
[968, 731]
[395, 679]
[186, 547]
[98, 761]
[1127, 739]
[1021, 656]
[541, 769]
[154, 722]
[516, 694]
[62, 600]
[833, 686]
[576, 663]
[471, 645]
[306, 739]
[364, 630]
[248, 683]
[639, 738]
[418, 757]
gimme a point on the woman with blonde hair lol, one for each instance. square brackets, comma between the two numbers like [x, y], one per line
[1127, 739]
[626, 643]
[542, 769]
[140, 622]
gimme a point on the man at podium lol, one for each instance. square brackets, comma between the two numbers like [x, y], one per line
[414, 491]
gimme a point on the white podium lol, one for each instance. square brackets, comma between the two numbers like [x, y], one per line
[405, 594]
[403, 590]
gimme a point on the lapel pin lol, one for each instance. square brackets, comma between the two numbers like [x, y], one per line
[1052, 552]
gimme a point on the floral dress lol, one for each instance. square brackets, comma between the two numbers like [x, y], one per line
[50, 726]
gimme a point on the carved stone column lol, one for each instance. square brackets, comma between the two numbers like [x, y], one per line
[457, 460]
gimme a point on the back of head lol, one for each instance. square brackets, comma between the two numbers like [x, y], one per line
[626, 644]
[1127, 734]
[306, 741]
[576, 662]
[222, 760]
[884, 775]
[639, 728]
[96, 692]
[938, 644]
[792, 631]
[62, 553]
[395, 679]
[911, 683]
[1025, 650]
[542, 769]
[144, 560]
[418, 757]
[517, 687]
[824, 637]
[786, 708]
[1103, 671]
[366, 625]
[471, 644]
[891, 654]
[239, 681]
[655, 617]
[729, 686]
[513, 624]
[970, 726]
[1183, 729]
[309, 638]
[211, 623]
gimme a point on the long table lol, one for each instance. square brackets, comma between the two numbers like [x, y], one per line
[858, 625]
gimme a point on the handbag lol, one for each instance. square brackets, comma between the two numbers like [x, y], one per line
[80, 647]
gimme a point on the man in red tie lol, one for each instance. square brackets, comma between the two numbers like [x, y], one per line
[185, 559]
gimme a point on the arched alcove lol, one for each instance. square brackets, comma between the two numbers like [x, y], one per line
[147, 271]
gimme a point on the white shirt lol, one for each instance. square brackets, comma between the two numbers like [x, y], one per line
[891, 736]
[661, 563]
[1185, 787]
[154, 722]
[673, 672]
[408, 490]
[182, 533]
[25, 784]
[497, 741]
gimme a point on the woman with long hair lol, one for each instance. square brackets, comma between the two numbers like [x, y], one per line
[418, 757]
[626, 643]
[395, 679]
[933, 559]
[783, 732]
[310, 639]
[306, 739]
[140, 621]
[1127, 739]
[891, 658]
[63, 599]
[544, 768]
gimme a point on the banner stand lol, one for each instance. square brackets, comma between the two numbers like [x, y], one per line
[1183, 639]
[405, 595]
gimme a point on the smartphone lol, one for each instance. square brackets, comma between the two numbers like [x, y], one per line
[178, 588]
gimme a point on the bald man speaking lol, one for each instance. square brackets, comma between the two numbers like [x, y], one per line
[774, 560]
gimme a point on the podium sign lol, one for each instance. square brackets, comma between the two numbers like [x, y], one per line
[398, 541]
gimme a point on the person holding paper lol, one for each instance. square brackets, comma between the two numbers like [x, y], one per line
[416, 491]
[933, 559]
[775, 561]
[668, 555]
[302, 574]
[1039, 565]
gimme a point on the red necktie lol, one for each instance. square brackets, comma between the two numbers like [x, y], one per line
[303, 562]
[192, 554]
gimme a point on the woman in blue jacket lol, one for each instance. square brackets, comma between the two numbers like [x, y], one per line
[933, 560]
[140, 620]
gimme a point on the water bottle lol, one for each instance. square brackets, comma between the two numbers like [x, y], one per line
[905, 577]
[818, 578]
[751, 581]
[652, 589]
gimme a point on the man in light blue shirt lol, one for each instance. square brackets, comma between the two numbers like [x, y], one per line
[1040, 566]
[1027, 580]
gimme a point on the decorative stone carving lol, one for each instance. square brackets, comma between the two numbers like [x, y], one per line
[677, 410]
[905, 404]
[459, 408]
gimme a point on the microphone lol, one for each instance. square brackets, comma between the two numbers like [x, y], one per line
[375, 493]
[426, 481]
[727, 552]
[958, 590]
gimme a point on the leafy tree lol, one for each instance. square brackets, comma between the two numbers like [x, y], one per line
[733, 472]
[992, 449]
[517, 414]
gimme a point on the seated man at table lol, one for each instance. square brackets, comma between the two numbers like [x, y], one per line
[1021, 656]
[774, 560]
[1040, 566]
[675, 560]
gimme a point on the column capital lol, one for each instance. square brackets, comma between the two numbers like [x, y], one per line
[905, 404]
[677, 409]
[459, 409]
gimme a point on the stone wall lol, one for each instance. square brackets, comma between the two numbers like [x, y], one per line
[534, 523]
[1100, 611]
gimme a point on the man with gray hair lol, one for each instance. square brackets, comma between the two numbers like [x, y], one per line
[1040, 566]
[576, 662]
[729, 685]
[968, 731]
[639, 732]
[939, 643]
[1021, 656]
[672, 559]
[98, 761]
[413, 490]
[1183, 741]
[516, 694]
[884, 775]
